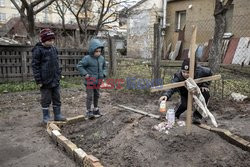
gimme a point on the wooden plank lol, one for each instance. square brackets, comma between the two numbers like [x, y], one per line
[242, 52]
[176, 50]
[228, 136]
[79, 155]
[8, 68]
[180, 84]
[191, 75]
[70, 73]
[5, 56]
[70, 57]
[156, 56]
[168, 51]
[206, 51]
[75, 119]
[231, 50]
[10, 64]
[10, 75]
[139, 111]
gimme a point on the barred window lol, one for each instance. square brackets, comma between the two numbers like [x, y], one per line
[2, 17]
[180, 20]
[2, 2]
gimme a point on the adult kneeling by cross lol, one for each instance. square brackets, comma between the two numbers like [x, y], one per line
[201, 76]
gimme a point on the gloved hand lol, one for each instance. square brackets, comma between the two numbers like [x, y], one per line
[163, 98]
[203, 89]
[39, 85]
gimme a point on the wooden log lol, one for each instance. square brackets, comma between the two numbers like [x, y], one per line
[228, 136]
[72, 120]
[180, 84]
[139, 111]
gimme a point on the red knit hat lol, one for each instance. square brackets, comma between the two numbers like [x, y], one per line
[46, 34]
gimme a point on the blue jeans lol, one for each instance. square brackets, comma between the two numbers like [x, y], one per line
[93, 94]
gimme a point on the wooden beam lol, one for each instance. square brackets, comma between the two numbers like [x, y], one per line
[140, 112]
[191, 75]
[180, 84]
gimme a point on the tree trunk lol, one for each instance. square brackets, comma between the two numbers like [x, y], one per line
[215, 52]
[31, 25]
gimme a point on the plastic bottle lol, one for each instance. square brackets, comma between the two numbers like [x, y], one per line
[171, 117]
[163, 106]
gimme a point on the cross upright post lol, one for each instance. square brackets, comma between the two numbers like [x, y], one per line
[191, 75]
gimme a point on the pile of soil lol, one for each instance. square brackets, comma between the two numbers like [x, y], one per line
[123, 138]
[120, 137]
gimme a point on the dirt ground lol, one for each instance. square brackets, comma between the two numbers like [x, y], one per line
[120, 137]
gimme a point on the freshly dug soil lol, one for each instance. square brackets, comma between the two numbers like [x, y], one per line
[123, 138]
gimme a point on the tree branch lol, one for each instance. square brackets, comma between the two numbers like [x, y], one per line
[25, 3]
[104, 21]
[16, 6]
[222, 8]
[43, 7]
[37, 2]
[20, 10]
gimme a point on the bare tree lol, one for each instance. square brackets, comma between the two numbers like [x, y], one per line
[61, 11]
[28, 11]
[215, 52]
[80, 9]
[107, 12]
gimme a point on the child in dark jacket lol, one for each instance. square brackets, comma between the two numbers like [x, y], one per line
[47, 74]
[182, 75]
[93, 68]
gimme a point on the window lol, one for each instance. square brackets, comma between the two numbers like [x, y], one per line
[45, 19]
[2, 17]
[2, 2]
[180, 20]
[15, 15]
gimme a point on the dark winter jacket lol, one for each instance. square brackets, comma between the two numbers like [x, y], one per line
[94, 66]
[199, 73]
[45, 65]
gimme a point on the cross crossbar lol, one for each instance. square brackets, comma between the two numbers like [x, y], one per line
[180, 84]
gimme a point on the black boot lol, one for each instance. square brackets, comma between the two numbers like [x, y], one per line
[89, 114]
[57, 114]
[46, 115]
[96, 112]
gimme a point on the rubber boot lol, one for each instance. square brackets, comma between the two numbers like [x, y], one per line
[46, 115]
[57, 114]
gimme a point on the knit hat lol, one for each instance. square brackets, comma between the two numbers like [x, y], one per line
[185, 64]
[46, 35]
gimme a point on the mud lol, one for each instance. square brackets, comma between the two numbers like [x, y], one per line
[120, 137]
[123, 138]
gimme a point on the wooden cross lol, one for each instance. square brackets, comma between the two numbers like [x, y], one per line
[191, 75]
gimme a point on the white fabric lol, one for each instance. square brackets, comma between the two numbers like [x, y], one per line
[199, 100]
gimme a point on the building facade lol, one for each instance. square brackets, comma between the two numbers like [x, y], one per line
[183, 14]
[140, 25]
